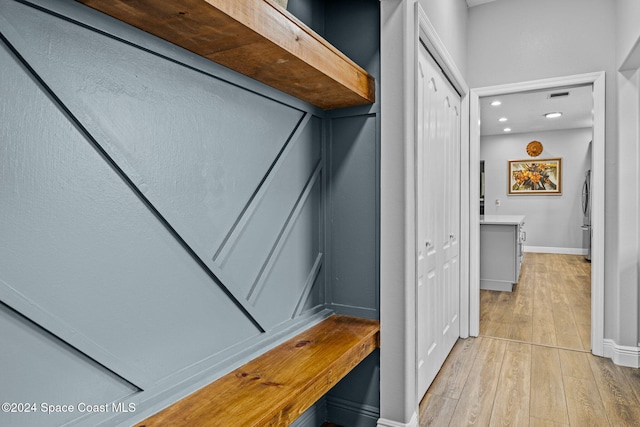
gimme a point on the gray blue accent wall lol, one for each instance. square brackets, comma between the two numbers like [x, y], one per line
[353, 212]
[164, 219]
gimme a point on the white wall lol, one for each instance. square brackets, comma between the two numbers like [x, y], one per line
[520, 40]
[449, 18]
[628, 30]
[627, 296]
[552, 221]
[398, 400]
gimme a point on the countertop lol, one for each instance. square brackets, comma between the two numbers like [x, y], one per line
[502, 219]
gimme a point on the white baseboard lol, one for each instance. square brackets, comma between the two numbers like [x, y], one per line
[553, 250]
[622, 355]
[389, 423]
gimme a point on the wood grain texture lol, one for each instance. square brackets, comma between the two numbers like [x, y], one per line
[583, 402]
[547, 389]
[278, 386]
[536, 383]
[436, 410]
[551, 304]
[575, 364]
[541, 422]
[621, 403]
[257, 38]
[476, 402]
[511, 405]
[535, 386]
[457, 367]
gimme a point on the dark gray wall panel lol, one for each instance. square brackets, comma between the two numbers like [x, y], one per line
[260, 228]
[78, 245]
[66, 378]
[354, 27]
[293, 267]
[355, 400]
[203, 174]
[316, 295]
[353, 212]
[353, 206]
[196, 145]
[311, 12]
[199, 148]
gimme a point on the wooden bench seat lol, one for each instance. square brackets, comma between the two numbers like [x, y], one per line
[277, 387]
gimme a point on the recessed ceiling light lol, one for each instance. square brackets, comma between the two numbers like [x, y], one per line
[553, 115]
[507, 129]
[496, 103]
[502, 119]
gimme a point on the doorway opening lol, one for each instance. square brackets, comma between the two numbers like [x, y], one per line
[549, 300]
[595, 83]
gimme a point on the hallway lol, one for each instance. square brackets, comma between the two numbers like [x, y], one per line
[550, 305]
[531, 365]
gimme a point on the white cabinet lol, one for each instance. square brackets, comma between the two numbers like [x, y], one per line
[501, 241]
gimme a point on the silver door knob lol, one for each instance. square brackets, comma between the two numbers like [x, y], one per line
[428, 243]
[451, 236]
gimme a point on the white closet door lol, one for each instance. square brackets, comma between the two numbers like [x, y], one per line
[438, 219]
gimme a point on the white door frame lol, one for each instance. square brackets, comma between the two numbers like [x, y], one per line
[597, 80]
[403, 27]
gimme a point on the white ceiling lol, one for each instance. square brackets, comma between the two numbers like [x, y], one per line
[525, 111]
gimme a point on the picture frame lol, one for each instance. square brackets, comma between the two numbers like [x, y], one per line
[533, 177]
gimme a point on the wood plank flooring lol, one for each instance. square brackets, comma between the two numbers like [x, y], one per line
[550, 305]
[532, 365]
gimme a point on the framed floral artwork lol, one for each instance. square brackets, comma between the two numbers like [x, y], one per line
[542, 176]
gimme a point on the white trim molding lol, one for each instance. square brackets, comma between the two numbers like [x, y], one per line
[389, 423]
[622, 355]
[597, 81]
[403, 27]
[398, 401]
[554, 250]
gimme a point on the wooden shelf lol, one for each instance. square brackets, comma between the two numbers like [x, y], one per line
[277, 387]
[257, 38]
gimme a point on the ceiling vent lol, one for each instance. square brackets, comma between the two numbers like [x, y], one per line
[558, 95]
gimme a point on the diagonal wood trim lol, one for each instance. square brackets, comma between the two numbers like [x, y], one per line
[254, 201]
[256, 38]
[284, 233]
[277, 387]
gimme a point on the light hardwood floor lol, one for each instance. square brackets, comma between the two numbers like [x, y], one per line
[550, 305]
[526, 369]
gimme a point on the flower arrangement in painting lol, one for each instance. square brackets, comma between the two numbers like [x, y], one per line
[534, 177]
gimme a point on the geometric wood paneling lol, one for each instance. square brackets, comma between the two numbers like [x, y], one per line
[144, 189]
[197, 146]
[67, 376]
[195, 159]
[82, 254]
[353, 213]
[123, 174]
[287, 205]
